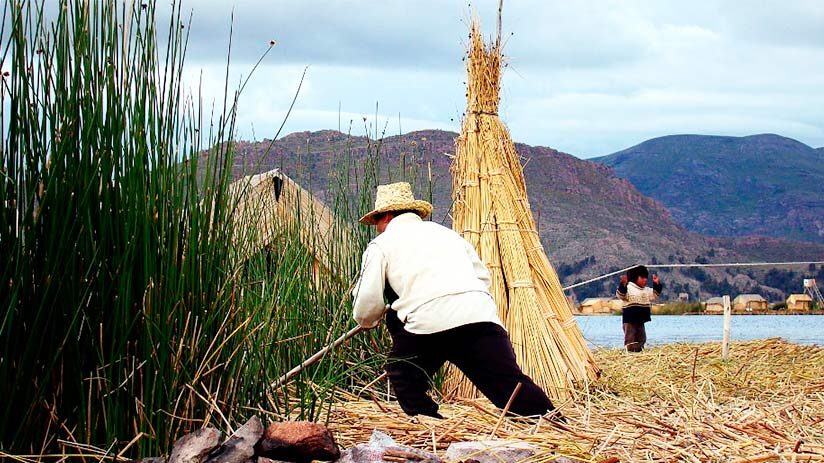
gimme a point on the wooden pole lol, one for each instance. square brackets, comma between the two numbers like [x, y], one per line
[725, 342]
[316, 357]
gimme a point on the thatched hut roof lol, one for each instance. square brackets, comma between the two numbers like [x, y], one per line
[270, 203]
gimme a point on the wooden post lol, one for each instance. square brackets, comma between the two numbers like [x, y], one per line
[725, 342]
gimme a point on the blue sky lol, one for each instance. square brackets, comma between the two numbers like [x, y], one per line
[586, 77]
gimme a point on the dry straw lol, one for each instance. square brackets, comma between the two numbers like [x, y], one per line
[675, 403]
[491, 211]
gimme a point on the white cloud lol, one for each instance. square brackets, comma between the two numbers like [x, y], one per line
[586, 77]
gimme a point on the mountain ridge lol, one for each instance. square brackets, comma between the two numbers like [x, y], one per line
[762, 184]
[590, 220]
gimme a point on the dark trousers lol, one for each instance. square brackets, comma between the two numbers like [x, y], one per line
[482, 351]
[635, 336]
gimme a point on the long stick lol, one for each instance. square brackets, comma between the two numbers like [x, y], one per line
[732, 264]
[316, 357]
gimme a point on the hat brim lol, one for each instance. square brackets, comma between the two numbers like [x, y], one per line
[422, 208]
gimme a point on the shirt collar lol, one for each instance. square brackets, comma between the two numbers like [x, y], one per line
[408, 217]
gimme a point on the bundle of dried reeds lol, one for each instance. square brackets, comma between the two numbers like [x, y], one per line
[492, 212]
[673, 403]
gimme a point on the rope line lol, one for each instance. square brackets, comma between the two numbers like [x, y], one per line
[732, 264]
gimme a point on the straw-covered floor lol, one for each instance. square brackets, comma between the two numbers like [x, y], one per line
[674, 403]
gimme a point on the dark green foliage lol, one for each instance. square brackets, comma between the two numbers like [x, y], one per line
[719, 287]
[696, 273]
[785, 280]
[677, 288]
[564, 270]
[790, 281]
[679, 308]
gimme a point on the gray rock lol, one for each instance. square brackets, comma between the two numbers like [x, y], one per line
[381, 439]
[490, 451]
[196, 446]
[240, 447]
[361, 453]
[382, 445]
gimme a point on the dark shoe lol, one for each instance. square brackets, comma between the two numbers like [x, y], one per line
[434, 414]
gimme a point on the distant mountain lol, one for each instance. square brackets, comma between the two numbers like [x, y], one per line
[590, 221]
[731, 186]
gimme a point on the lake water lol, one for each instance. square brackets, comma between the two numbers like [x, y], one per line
[606, 330]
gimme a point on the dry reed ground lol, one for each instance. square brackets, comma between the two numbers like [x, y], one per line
[678, 402]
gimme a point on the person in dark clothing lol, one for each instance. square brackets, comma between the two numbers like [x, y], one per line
[439, 308]
[638, 300]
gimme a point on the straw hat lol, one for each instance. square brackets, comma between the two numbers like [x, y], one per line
[396, 197]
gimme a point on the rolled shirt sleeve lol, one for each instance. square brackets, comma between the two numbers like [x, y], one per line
[621, 292]
[368, 305]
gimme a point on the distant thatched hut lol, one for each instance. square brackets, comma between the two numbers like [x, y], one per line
[799, 303]
[599, 305]
[714, 305]
[749, 303]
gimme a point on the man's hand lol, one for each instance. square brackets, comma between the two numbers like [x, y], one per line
[624, 279]
[655, 279]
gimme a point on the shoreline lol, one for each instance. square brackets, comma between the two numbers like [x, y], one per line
[762, 312]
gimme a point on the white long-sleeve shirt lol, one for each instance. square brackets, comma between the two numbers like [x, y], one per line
[439, 279]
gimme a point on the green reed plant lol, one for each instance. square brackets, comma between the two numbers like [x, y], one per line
[678, 308]
[117, 301]
[315, 311]
[127, 310]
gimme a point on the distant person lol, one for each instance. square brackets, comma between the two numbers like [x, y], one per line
[439, 308]
[637, 305]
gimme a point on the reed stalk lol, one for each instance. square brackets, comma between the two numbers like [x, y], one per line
[135, 306]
